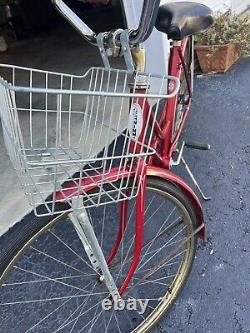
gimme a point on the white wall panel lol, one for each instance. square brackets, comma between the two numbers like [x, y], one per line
[240, 5]
[157, 44]
[213, 4]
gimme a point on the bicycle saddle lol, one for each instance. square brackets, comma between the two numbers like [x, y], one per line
[182, 19]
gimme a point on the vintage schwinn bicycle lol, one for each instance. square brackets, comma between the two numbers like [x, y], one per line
[112, 225]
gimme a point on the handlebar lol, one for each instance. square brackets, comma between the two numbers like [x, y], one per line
[75, 21]
[147, 22]
[146, 25]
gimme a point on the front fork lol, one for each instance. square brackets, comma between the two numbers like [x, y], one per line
[93, 250]
[85, 231]
[84, 228]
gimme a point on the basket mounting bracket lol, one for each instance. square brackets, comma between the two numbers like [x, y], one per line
[126, 51]
[100, 42]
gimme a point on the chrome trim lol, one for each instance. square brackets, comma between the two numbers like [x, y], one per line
[75, 21]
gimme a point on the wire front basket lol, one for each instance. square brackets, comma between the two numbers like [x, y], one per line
[79, 139]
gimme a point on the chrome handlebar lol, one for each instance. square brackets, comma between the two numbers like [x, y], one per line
[75, 21]
[147, 21]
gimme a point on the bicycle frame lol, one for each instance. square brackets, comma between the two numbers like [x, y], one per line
[158, 166]
[164, 133]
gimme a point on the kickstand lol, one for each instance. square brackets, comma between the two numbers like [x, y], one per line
[194, 180]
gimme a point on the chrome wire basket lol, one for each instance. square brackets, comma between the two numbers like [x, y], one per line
[71, 132]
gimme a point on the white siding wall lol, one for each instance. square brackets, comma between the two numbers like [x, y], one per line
[213, 4]
[237, 5]
[157, 43]
[240, 5]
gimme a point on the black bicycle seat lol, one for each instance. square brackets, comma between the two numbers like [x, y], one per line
[182, 19]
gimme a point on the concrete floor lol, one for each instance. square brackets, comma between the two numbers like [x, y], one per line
[61, 51]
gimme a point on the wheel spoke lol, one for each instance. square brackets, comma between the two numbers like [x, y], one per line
[157, 235]
[52, 299]
[129, 252]
[55, 259]
[117, 323]
[64, 324]
[51, 313]
[160, 249]
[67, 293]
[156, 268]
[69, 248]
[49, 278]
[94, 320]
[77, 318]
[158, 280]
[43, 280]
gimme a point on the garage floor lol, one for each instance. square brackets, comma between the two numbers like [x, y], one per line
[61, 51]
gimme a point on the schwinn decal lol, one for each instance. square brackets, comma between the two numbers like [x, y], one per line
[135, 121]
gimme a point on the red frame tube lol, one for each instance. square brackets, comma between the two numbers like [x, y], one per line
[140, 205]
[121, 230]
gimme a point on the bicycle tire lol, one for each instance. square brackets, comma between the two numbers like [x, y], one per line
[22, 235]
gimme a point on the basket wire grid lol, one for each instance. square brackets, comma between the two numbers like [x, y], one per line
[69, 132]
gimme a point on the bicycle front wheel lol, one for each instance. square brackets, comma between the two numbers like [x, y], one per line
[48, 284]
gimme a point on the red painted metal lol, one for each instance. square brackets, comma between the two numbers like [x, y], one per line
[168, 115]
[140, 205]
[79, 187]
[121, 230]
[181, 52]
[164, 141]
[87, 185]
[173, 178]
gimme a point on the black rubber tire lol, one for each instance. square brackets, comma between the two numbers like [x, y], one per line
[16, 238]
[26, 231]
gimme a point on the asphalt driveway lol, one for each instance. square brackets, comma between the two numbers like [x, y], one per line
[217, 296]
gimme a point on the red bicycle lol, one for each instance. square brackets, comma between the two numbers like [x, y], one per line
[115, 234]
